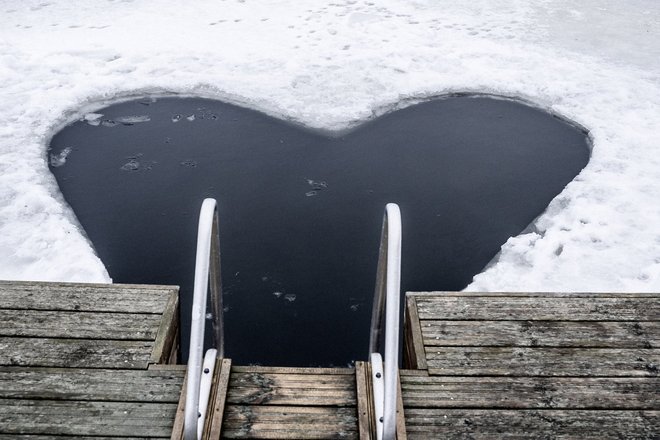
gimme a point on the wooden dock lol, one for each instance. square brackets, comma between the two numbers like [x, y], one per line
[96, 361]
[88, 360]
[532, 365]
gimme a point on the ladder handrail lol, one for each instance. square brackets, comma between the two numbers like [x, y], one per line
[387, 296]
[207, 268]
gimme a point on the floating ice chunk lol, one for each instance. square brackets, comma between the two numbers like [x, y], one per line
[278, 294]
[108, 123]
[290, 297]
[93, 118]
[176, 118]
[147, 101]
[132, 165]
[317, 185]
[191, 117]
[57, 160]
[132, 119]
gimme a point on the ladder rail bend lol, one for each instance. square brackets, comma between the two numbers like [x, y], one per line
[387, 303]
[207, 278]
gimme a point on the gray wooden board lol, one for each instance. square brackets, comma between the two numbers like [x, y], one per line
[84, 297]
[292, 389]
[290, 422]
[536, 294]
[89, 384]
[293, 370]
[538, 308]
[74, 324]
[531, 424]
[74, 353]
[19, 416]
[530, 392]
[627, 334]
[523, 361]
[65, 437]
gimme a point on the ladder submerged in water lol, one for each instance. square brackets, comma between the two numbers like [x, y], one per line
[329, 412]
[95, 361]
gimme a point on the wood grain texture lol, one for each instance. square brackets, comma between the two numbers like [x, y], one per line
[72, 324]
[495, 308]
[535, 365]
[272, 402]
[120, 298]
[365, 406]
[593, 334]
[19, 416]
[179, 416]
[75, 360]
[218, 401]
[292, 370]
[166, 337]
[290, 422]
[74, 353]
[523, 361]
[305, 389]
[414, 355]
[87, 384]
[530, 392]
[531, 424]
[547, 294]
[65, 437]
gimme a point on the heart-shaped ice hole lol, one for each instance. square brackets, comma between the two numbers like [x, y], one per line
[301, 211]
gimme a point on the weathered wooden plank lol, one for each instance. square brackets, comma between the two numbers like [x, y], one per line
[294, 380]
[538, 294]
[86, 325]
[365, 407]
[530, 392]
[400, 414]
[179, 417]
[84, 297]
[538, 308]
[289, 422]
[523, 361]
[166, 335]
[292, 389]
[414, 354]
[74, 353]
[213, 428]
[531, 424]
[18, 416]
[291, 396]
[293, 370]
[91, 384]
[64, 437]
[628, 334]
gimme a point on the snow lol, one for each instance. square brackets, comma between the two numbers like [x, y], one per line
[333, 66]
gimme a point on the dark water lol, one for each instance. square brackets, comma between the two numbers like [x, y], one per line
[301, 212]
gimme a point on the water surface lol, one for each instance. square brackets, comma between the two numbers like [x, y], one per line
[301, 211]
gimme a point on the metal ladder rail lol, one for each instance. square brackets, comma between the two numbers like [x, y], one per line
[207, 277]
[387, 299]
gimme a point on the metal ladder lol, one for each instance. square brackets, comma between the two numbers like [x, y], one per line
[385, 314]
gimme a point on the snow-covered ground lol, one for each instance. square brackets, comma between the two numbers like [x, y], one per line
[331, 65]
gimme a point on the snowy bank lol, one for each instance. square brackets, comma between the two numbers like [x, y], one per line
[331, 66]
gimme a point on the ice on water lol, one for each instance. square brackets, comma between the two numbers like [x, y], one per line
[132, 119]
[57, 160]
[332, 66]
